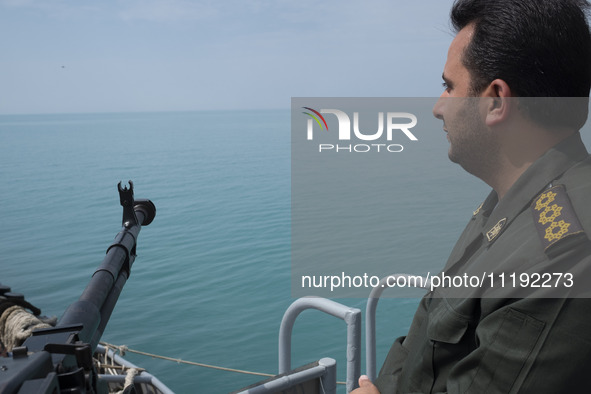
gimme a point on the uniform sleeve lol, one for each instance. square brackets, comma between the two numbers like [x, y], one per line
[532, 345]
[387, 380]
[500, 345]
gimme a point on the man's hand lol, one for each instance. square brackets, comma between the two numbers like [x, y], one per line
[365, 386]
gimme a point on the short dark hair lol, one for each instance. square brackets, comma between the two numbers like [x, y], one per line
[541, 48]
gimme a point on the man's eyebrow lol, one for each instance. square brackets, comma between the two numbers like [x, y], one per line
[447, 81]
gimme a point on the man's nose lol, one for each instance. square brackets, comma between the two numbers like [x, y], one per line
[438, 107]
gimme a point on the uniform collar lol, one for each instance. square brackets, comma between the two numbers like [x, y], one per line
[549, 167]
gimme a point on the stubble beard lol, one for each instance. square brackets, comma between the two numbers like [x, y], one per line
[471, 143]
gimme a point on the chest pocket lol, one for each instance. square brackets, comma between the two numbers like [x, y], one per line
[506, 346]
[489, 357]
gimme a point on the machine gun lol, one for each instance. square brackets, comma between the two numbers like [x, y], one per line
[59, 359]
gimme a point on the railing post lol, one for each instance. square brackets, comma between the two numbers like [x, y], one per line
[351, 316]
[329, 379]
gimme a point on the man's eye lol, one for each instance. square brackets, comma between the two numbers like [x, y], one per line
[445, 85]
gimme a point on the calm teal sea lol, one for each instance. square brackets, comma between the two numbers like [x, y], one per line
[212, 277]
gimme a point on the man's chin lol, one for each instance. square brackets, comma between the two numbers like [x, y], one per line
[452, 157]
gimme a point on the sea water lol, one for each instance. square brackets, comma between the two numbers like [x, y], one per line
[212, 277]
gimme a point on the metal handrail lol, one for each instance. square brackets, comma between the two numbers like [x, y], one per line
[370, 320]
[351, 316]
[326, 371]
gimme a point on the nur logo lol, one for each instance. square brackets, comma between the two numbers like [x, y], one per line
[395, 122]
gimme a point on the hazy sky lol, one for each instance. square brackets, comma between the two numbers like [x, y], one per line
[165, 55]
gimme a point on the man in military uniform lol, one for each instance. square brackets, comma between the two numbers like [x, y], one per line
[523, 337]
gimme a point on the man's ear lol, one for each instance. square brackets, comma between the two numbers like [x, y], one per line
[497, 101]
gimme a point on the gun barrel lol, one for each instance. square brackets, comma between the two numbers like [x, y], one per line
[94, 307]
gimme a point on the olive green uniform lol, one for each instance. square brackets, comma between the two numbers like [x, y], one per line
[494, 340]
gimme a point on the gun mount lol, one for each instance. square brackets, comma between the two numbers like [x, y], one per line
[59, 359]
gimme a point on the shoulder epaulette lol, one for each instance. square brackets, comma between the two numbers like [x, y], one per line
[554, 216]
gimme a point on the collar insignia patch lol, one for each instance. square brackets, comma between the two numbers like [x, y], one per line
[496, 230]
[478, 209]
